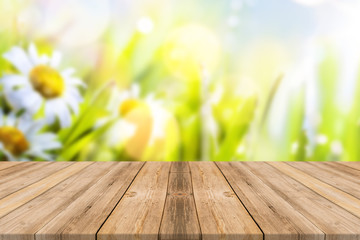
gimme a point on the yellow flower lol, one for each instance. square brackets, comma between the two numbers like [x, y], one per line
[142, 125]
[20, 138]
[41, 83]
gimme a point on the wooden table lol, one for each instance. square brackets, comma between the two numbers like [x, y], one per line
[196, 200]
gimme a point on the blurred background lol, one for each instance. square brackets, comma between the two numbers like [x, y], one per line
[230, 80]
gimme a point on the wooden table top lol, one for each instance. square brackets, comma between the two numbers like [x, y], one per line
[180, 200]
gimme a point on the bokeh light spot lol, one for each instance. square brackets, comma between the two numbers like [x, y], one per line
[190, 47]
[145, 25]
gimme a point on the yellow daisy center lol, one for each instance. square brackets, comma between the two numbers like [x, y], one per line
[47, 81]
[128, 105]
[13, 140]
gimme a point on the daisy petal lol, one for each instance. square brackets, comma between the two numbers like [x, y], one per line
[24, 123]
[8, 155]
[43, 59]
[11, 120]
[50, 111]
[33, 54]
[40, 154]
[75, 82]
[72, 102]
[64, 115]
[19, 59]
[67, 73]
[55, 59]
[50, 145]
[74, 92]
[34, 129]
[11, 81]
[135, 90]
[45, 141]
[33, 102]
[43, 138]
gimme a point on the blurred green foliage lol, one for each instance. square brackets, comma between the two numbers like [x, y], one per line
[234, 126]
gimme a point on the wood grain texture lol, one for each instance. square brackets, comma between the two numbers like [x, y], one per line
[354, 165]
[333, 220]
[221, 214]
[4, 165]
[334, 175]
[19, 169]
[138, 215]
[345, 171]
[24, 221]
[276, 217]
[83, 217]
[179, 219]
[341, 198]
[25, 175]
[181, 200]
[180, 167]
[16, 199]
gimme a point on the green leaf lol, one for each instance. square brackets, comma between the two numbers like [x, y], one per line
[236, 130]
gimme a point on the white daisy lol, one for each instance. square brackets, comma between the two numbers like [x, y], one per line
[39, 83]
[20, 138]
[160, 118]
[122, 103]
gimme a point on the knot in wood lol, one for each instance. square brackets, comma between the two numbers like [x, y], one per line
[179, 194]
[130, 194]
[229, 194]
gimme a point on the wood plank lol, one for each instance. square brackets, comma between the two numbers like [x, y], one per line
[180, 167]
[334, 221]
[138, 214]
[221, 214]
[29, 175]
[18, 169]
[84, 217]
[354, 165]
[6, 164]
[330, 174]
[346, 171]
[24, 222]
[16, 199]
[277, 218]
[179, 219]
[341, 198]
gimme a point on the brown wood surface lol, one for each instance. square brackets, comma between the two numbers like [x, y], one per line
[354, 165]
[138, 214]
[221, 214]
[336, 222]
[4, 165]
[24, 175]
[179, 200]
[334, 174]
[275, 216]
[85, 215]
[18, 198]
[341, 198]
[180, 219]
